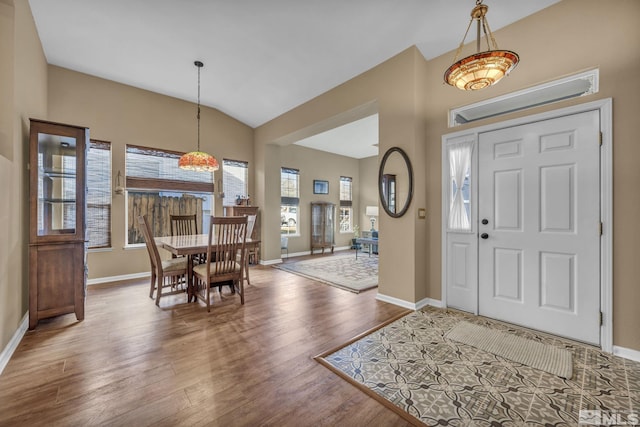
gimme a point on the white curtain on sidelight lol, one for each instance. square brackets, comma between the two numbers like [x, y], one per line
[459, 164]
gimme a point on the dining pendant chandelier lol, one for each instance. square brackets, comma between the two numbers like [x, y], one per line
[482, 69]
[198, 160]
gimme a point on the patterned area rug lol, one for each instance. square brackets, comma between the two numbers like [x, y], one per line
[410, 366]
[342, 271]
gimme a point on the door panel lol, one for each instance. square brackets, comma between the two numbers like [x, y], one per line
[539, 259]
[508, 200]
[557, 198]
[508, 274]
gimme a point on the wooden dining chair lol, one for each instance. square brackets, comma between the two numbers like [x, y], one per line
[167, 276]
[252, 251]
[182, 225]
[225, 258]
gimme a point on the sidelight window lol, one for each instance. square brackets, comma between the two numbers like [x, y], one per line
[459, 198]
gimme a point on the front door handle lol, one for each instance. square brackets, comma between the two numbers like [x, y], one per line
[484, 235]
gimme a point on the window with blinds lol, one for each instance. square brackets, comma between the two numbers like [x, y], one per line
[289, 200]
[98, 215]
[235, 181]
[152, 168]
[158, 188]
[346, 201]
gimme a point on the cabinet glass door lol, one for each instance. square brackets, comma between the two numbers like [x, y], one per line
[329, 225]
[57, 167]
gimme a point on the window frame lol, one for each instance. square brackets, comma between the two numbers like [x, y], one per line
[102, 186]
[230, 200]
[346, 202]
[290, 198]
[172, 184]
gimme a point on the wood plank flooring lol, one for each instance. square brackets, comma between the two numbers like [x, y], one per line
[132, 363]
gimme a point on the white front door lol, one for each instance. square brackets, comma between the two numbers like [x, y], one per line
[539, 225]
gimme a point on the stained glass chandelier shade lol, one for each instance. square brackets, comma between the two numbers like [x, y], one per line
[482, 69]
[198, 160]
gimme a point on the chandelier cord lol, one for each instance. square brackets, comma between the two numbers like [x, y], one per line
[199, 66]
[455, 58]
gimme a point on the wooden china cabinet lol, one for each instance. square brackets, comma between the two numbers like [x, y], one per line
[323, 226]
[57, 230]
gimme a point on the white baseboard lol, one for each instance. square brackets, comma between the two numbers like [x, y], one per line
[271, 261]
[627, 353]
[99, 280]
[429, 302]
[410, 305]
[7, 352]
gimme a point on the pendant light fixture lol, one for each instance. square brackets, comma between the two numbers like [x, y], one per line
[197, 160]
[482, 69]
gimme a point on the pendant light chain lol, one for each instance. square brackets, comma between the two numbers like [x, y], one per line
[199, 65]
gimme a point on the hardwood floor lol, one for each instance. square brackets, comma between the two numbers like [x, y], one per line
[132, 363]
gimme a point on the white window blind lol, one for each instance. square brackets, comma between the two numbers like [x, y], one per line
[152, 168]
[290, 186]
[235, 180]
[99, 194]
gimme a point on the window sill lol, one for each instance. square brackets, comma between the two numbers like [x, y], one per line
[134, 246]
[95, 250]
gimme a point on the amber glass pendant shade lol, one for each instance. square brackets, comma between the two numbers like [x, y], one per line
[482, 69]
[198, 161]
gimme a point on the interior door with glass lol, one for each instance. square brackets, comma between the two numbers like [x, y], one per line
[539, 225]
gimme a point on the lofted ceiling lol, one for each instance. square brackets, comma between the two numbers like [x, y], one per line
[261, 57]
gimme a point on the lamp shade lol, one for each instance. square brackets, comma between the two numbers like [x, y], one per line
[371, 211]
[482, 69]
[198, 161]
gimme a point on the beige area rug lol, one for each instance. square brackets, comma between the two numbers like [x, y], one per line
[541, 356]
[343, 271]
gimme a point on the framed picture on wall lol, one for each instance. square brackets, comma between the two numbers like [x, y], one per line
[320, 187]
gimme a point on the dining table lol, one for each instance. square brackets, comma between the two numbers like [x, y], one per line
[190, 245]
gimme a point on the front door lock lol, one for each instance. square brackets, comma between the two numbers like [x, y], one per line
[484, 235]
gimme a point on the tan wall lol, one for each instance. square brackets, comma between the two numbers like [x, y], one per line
[390, 90]
[23, 94]
[368, 191]
[314, 164]
[568, 37]
[126, 115]
[571, 36]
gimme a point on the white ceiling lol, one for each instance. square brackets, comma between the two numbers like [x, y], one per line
[358, 139]
[261, 58]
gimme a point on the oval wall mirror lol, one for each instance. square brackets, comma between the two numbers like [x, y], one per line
[395, 182]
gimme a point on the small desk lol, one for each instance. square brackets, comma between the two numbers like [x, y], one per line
[189, 245]
[365, 241]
